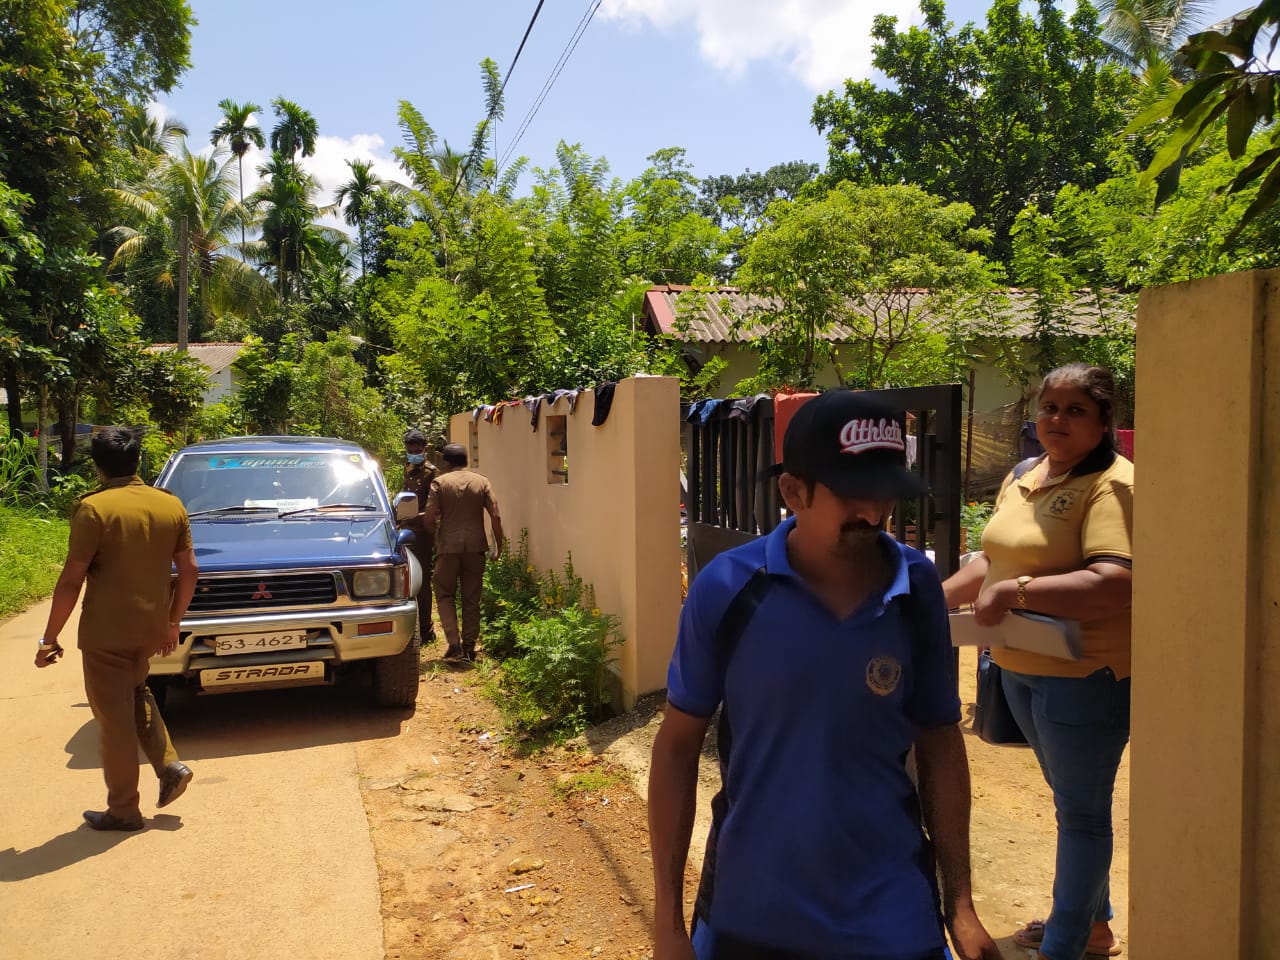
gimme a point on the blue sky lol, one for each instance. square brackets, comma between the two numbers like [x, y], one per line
[731, 81]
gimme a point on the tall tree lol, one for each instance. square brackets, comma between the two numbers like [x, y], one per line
[1235, 76]
[140, 47]
[295, 130]
[287, 216]
[200, 188]
[239, 131]
[355, 199]
[883, 261]
[995, 117]
[666, 238]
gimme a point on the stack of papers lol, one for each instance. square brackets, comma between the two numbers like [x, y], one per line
[1021, 630]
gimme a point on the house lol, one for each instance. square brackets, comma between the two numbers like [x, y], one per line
[218, 357]
[723, 321]
[718, 322]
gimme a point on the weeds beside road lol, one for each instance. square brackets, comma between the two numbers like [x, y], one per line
[34, 546]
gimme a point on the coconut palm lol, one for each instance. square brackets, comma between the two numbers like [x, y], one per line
[295, 130]
[202, 189]
[1142, 34]
[239, 132]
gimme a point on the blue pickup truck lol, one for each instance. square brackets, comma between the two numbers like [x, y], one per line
[303, 573]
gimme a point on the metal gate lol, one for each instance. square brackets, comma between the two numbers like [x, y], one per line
[732, 496]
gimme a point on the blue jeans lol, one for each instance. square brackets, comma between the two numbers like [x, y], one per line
[1078, 728]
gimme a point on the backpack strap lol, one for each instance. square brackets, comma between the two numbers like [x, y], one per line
[1025, 466]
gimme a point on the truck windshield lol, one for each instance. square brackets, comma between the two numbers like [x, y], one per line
[281, 482]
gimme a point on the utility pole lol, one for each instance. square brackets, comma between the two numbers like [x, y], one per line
[183, 252]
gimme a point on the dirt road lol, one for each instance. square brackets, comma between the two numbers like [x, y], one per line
[319, 827]
[267, 854]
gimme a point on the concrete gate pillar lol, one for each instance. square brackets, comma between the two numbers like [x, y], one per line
[1205, 776]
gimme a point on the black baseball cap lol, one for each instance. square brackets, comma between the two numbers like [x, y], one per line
[852, 443]
[415, 436]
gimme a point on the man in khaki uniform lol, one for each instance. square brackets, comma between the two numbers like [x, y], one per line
[456, 507]
[418, 474]
[123, 539]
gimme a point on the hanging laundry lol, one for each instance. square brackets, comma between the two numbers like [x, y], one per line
[702, 410]
[534, 406]
[604, 402]
[743, 408]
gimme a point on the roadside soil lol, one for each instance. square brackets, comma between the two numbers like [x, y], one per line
[485, 852]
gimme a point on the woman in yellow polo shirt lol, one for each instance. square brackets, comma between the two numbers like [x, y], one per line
[1060, 543]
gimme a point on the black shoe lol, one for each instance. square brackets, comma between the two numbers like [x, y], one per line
[453, 653]
[469, 654]
[102, 820]
[173, 782]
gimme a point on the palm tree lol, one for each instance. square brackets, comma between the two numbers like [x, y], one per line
[240, 133]
[1144, 36]
[199, 188]
[286, 215]
[295, 130]
[354, 198]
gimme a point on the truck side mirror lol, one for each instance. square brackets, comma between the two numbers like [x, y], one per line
[406, 506]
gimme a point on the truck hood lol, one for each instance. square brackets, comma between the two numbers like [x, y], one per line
[264, 544]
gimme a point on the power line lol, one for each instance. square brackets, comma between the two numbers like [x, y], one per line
[462, 174]
[556, 70]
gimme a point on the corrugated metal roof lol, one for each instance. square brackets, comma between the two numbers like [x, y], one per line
[216, 356]
[709, 316]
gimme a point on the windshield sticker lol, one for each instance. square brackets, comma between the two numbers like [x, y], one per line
[258, 463]
[299, 503]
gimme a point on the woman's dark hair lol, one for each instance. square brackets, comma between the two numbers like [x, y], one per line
[116, 451]
[1097, 382]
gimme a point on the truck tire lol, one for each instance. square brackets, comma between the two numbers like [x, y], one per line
[396, 678]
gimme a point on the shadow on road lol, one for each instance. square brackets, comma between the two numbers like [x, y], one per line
[74, 846]
[268, 721]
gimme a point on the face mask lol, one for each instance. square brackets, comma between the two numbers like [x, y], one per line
[415, 457]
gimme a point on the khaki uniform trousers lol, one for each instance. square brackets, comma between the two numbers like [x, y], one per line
[454, 570]
[127, 715]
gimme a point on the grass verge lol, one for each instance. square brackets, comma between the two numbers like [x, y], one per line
[34, 546]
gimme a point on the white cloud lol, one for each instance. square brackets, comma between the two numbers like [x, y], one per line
[821, 42]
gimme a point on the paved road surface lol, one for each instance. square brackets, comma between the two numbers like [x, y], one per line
[266, 855]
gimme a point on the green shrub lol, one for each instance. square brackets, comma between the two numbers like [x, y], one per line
[552, 646]
[557, 684]
[35, 544]
[974, 517]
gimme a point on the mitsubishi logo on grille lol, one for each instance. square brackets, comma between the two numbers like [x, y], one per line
[262, 593]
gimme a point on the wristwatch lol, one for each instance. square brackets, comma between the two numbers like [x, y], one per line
[1022, 591]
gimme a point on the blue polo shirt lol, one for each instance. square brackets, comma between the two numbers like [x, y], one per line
[819, 848]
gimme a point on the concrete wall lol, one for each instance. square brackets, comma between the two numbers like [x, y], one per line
[1205, 778]
[619, 512]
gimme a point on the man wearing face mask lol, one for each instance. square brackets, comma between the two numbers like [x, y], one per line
[418, 474]
[825, 645]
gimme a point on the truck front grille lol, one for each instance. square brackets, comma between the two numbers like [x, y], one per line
[215, 594]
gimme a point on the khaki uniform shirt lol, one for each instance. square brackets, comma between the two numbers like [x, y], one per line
[128, 533]
[417, 480]
[461, 496]
[1039, 529]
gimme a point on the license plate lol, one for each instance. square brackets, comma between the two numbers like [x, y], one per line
[272, 673]
[259, 642]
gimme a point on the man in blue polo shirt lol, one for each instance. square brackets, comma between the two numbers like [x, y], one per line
[827, 643]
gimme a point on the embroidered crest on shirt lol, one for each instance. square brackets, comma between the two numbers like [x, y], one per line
[1062, 502]
[883, 674]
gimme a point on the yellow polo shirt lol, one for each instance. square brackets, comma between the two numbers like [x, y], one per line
[1041, 529]
[128, 533]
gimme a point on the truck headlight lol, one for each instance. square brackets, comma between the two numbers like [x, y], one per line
[371, 583]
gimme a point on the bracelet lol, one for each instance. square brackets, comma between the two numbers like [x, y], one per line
[54, 645]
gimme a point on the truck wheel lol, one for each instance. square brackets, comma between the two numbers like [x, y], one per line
[396, 678]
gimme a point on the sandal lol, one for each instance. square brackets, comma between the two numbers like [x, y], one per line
[1032, 936]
